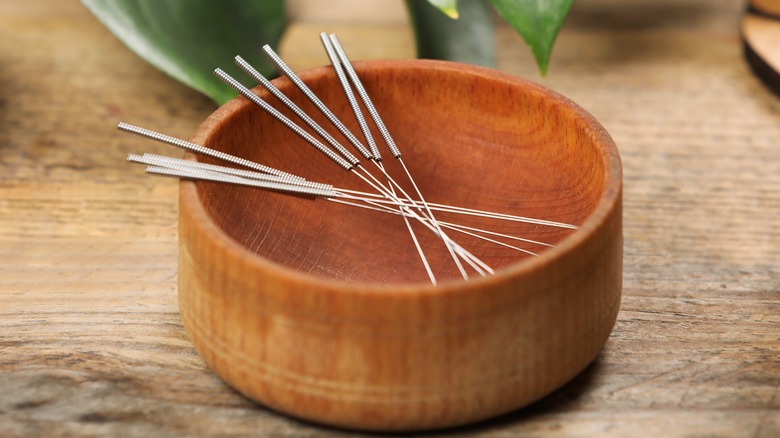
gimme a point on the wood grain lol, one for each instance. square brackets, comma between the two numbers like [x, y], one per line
[91, 341]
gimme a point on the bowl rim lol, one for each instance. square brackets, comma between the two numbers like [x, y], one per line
[608, 201]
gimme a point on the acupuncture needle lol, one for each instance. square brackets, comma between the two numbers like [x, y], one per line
[342, 77]
[192, 147]
[449, 224]
[287, 71]
[201, 174]
[178, 163]
[472, 212]
[462, 229]
[388, 139]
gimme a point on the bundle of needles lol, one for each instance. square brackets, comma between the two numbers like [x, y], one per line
[386, 195]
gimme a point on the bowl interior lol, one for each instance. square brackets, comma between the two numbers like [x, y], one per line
[469, 137]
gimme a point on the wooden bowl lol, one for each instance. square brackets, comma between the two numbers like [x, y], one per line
[324, 312]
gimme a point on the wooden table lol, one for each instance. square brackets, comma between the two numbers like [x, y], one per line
[91, 341]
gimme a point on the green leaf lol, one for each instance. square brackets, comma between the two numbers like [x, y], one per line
[468, 39]
[537, 21]
[188, 39]
[448, 7]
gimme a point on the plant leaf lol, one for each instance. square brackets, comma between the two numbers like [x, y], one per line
[468, 39]
[537, 21]
[448, 7]
[188, 39]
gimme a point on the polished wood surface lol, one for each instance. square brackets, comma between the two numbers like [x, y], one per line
[91, 339]
[771, 7]
[362, 340]
[761, 39]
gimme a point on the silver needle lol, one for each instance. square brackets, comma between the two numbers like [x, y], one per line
[221, 177]
[178, 163]
[314, 99]
[192, 147]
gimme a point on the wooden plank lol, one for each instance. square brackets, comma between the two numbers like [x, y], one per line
[91, 341]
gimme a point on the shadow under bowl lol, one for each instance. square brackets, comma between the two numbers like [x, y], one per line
[325, 311]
